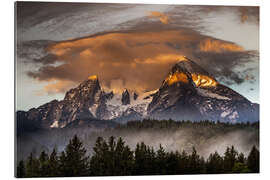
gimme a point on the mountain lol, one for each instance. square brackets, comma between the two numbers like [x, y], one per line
[85, 103]
[191, 93]
[188, 93]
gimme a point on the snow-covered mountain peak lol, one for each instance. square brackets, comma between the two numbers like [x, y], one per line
[138, 104]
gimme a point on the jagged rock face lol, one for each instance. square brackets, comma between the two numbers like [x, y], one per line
[135, 96]
[109, 95]
[125, 97]
[129, 115]
[88, 99]
[85, 101]
[46, 114]
[81, 102]
[190, 93]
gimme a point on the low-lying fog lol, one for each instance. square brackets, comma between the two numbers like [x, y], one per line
[206, 140]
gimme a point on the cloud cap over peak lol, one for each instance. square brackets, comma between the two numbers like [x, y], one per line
[141, 60]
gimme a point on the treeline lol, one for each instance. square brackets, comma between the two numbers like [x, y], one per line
[159, 124]
[114, 157]
[183, 134]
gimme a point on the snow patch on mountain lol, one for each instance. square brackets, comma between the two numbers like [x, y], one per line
[225, 113]
[54, 124]
[207, 93]
[139, 105]
[234, 115]
[93, 109]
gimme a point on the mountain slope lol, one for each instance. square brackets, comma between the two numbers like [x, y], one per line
[86, 101]
[191, 93]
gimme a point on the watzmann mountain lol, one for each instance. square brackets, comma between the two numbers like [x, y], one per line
[188, 93]
[191, 93]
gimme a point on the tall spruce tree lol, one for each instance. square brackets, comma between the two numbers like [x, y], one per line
[99, 161]
[20, 170]
[112, 158]
[144, 160]
[195, 165]
[230, 158]
[161, 158]
[214, 164]
[253, 160]
[73, 161]
[123, 157]
[32, 167]
[171, 163]
[53, 164]
[44, 164]
[183, 163]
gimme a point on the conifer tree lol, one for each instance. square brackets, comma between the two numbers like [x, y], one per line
[99, 161]
[161, 158]
[241, 158]
[32, 167]
[44, 164]
[144, 159]
[112, 158]
[73, 161]
[183, 163]
[253, 160]
[230, 158]
[214, 163]
[194, 162]
[20, 170]
[53, 164]
[123, 158]
[171, 163]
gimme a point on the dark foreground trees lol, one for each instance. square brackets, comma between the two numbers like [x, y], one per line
[113, 157]
[253, 160]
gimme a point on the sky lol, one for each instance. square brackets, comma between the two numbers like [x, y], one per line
[130, 46]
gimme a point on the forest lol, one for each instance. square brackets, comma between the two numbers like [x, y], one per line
[112, 157]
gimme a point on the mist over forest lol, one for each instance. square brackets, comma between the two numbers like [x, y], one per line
[207, 137]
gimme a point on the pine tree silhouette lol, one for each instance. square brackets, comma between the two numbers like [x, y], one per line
[253, 160]
[73, 161]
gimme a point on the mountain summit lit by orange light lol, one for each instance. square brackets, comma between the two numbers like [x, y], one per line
[92, 77]
[203, 80]
[177, 77]
[198, 79]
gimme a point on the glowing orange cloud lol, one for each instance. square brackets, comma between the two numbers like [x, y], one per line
[58, 86]
[161, 59]
[162, 17]
[218, 46]
[140, 60]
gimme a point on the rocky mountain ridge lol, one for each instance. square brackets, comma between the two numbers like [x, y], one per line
[188, 93]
